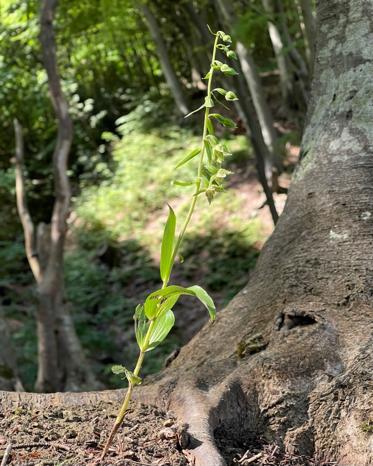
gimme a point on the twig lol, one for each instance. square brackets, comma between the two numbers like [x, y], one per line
[245, 460]
[6, 454]
[39, 445]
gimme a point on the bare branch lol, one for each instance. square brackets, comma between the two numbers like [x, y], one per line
[64, 136]
[23, 211]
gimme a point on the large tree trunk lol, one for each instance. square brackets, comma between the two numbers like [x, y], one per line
[169, 73]
[289, 358]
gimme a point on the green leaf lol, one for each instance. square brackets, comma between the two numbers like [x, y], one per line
[118, 369]
[188, 157]
[205, 299]
[167, 246]
[168, 291]
[163, 325]
[209, 103]
[207, 76]
[208, 148]
[230, 96]
[129, 375]
[150, 308]
[228, 70]
[220, 90]
[196, 110]
[227, 122]
[141, 325]
[169, 303]
[183, 183]
[210, 127]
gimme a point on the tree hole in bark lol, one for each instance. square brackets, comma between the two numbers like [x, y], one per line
[292, 319]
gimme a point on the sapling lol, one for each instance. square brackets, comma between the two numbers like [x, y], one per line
[155, 317]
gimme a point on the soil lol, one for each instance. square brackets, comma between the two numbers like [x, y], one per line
[76, 436]
[148, 437]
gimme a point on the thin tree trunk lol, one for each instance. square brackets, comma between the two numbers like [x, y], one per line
[286, 80]
[254, 84]
[169, 72]
[61, 362]
[310, 27]
[246, 111]
[294, 55]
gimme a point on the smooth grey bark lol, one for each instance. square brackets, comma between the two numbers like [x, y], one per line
[169, 72]
[61, 361]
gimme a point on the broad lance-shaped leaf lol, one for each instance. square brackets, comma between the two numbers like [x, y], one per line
[173, 292]
[167, 245]
[188, 157]
[162, 327]
[141, 325]
[205, 299]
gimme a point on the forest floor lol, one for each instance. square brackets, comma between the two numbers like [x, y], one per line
[148, 437]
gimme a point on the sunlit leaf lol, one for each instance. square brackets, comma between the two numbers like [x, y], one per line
[227, 122]
[167, 245]
[129, 375]
[205, 299]
[210, 127]
[188, 157]
[220, 90]
[183, 183]
[162, 327]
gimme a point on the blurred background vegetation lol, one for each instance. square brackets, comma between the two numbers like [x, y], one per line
[128, 137]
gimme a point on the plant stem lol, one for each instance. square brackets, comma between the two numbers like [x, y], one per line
[200, 164]
[140, 359]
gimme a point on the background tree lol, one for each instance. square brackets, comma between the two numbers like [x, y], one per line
[61, 362]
